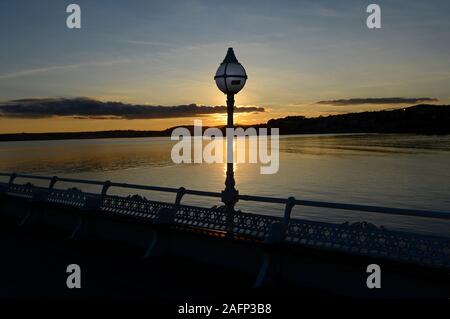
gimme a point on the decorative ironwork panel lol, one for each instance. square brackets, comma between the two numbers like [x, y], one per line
[367, 239]
[253, 225]
[213, 218]
[133, 206]
[70, 197]
[25, 190]
[358, 238]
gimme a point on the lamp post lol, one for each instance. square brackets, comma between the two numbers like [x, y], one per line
[230, 79]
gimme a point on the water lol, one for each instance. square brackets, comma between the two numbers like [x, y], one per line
[405, 171]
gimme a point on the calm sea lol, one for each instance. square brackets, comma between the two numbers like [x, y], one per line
[406, 171]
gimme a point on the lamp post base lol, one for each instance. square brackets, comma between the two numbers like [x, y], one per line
[230, 197]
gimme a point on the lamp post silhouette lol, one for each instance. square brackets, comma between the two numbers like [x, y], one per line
[230, 79]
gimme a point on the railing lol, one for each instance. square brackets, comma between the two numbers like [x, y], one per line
[292, 201]
[358, 238]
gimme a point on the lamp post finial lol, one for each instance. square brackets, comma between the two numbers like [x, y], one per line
[230, 57]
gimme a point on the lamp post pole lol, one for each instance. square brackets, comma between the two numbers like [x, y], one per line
[230, 194]
[230, 79]
[230, 183]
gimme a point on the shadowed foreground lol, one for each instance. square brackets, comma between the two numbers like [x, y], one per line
[34, 266]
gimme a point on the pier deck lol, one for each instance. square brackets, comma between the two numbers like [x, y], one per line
[139, 247]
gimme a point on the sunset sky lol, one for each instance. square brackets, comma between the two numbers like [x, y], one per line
[165, 53]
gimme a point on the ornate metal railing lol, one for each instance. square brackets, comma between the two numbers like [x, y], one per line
[359, 238]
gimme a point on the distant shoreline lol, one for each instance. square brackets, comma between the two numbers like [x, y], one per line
[419, 119]
[31, 137]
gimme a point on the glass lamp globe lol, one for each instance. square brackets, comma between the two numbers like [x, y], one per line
[230, 76]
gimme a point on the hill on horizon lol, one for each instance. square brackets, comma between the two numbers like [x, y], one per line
[418, 119]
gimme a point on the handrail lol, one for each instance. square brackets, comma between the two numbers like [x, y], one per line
[290, 201]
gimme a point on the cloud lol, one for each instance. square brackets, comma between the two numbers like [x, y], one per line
[149, 43]
[36, 71]
[87, 108]
[382, 100]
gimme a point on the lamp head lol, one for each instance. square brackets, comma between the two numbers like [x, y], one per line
[230, 76]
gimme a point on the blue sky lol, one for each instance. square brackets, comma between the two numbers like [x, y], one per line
[166, 52]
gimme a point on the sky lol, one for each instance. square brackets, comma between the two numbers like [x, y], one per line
[301, 57]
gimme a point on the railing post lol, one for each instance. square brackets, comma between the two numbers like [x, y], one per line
[105, 188]
[11, 179]
[165, 217]
[53, 181]
[91, 204]
[287, 210]
[181, 192]
[277, 234]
